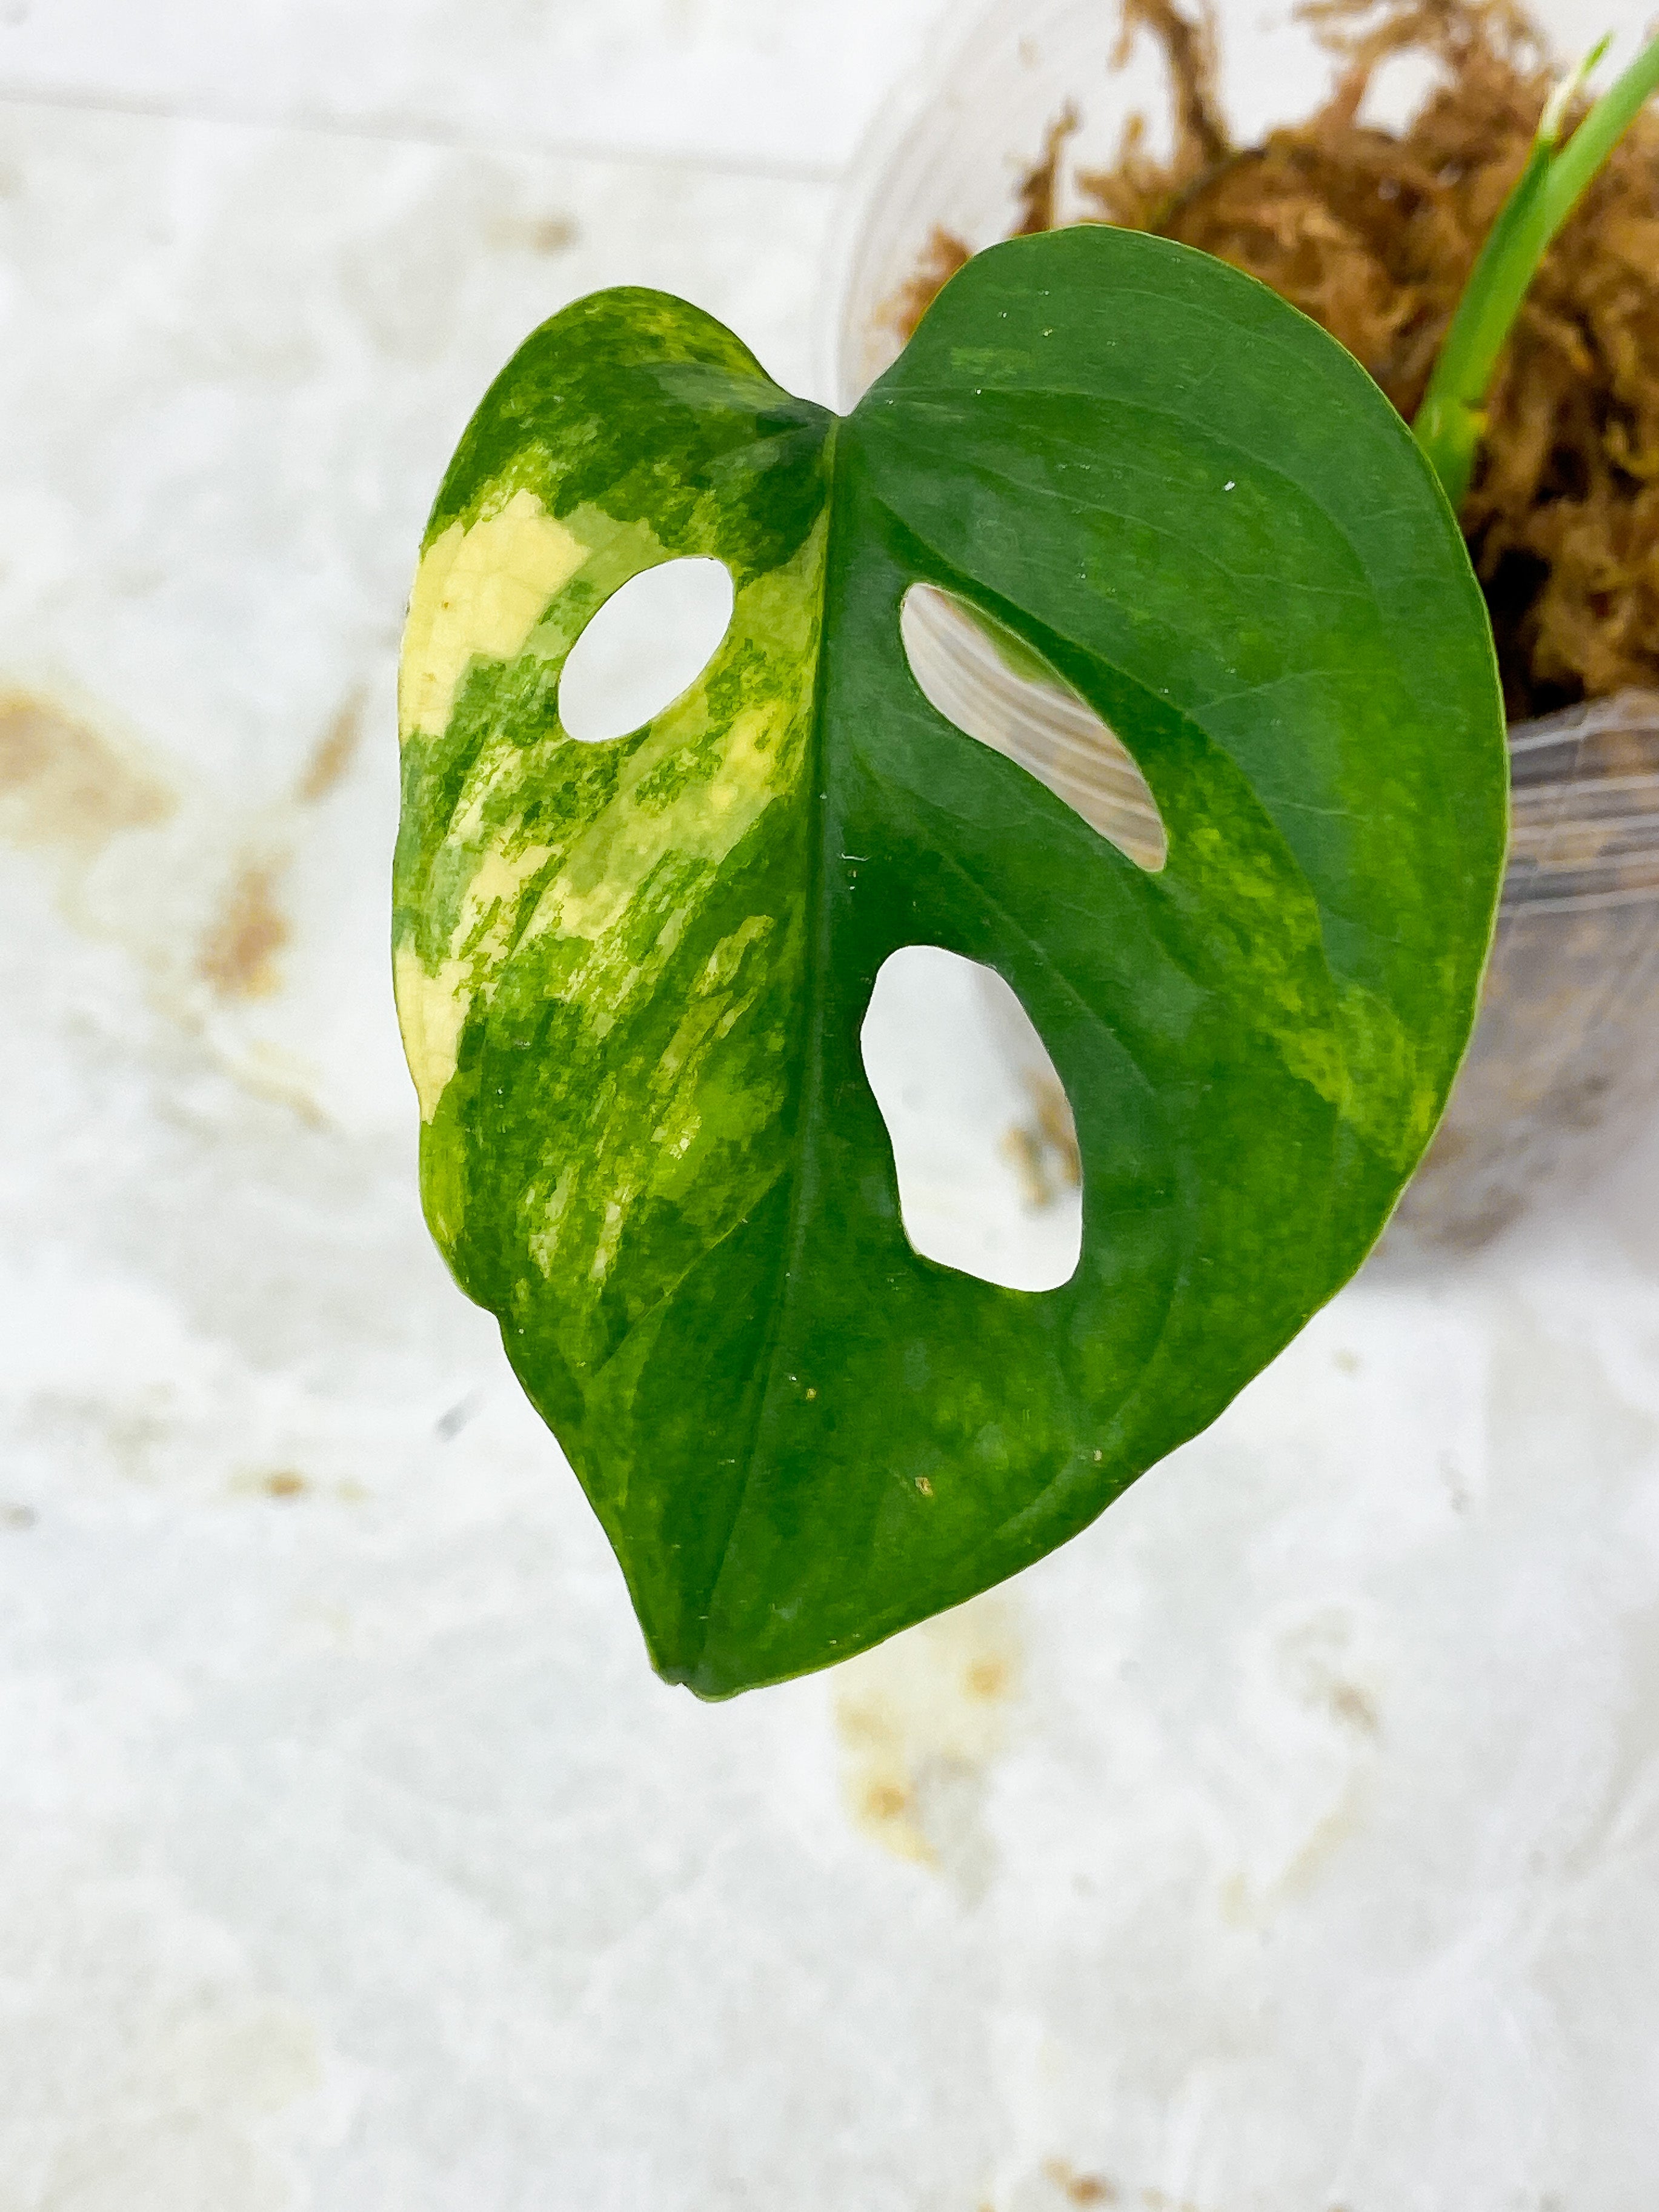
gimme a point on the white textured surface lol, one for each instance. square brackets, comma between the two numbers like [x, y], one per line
[772, 83]
[1291, 1841]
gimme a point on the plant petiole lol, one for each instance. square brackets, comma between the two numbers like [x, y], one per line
[1450, 423]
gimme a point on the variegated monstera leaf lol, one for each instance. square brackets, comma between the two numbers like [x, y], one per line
[632, 975]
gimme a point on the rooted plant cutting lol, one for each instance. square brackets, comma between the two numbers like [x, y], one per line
[1495, 265]
[632, 975]
[1375, 233]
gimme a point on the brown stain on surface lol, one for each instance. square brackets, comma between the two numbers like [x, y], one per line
[1351, 1704]
[885, 1801]
[921, 1720]
[1043, 1152]
[1328, 1836]
[1080, 2188]
[335, 751]
[64, 785]
[238, 956]
[1316, 1658]
[285, 1484]
[1024, 1155]
[1056, 1126]
[536, 233]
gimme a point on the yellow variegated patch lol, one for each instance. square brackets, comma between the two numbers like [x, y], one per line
[480, 591]
[432, 1011]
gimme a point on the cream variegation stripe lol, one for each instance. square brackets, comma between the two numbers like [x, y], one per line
[591, 905]
[594, 893]
[479, 591]
[432, 1011]
[433, 1008]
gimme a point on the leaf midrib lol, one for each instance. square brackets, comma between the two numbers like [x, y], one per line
[803, 1148]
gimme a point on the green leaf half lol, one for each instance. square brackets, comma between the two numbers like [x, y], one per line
[632, 976]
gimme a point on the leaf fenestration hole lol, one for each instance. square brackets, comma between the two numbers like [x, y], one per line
[989, 1176]
[647, 645]
[1032, 718]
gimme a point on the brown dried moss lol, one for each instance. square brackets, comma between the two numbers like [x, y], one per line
[1374, 233]
[941, 257]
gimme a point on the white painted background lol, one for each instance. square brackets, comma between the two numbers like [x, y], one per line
[1290, 1842]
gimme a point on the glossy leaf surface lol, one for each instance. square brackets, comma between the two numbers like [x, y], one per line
[632, 976]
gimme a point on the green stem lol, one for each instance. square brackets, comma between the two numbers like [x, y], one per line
[1449, 422]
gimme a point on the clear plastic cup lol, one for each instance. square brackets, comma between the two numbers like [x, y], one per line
[949, 152]
[1562, 1065]
[949, 148]
[1564, 1060]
